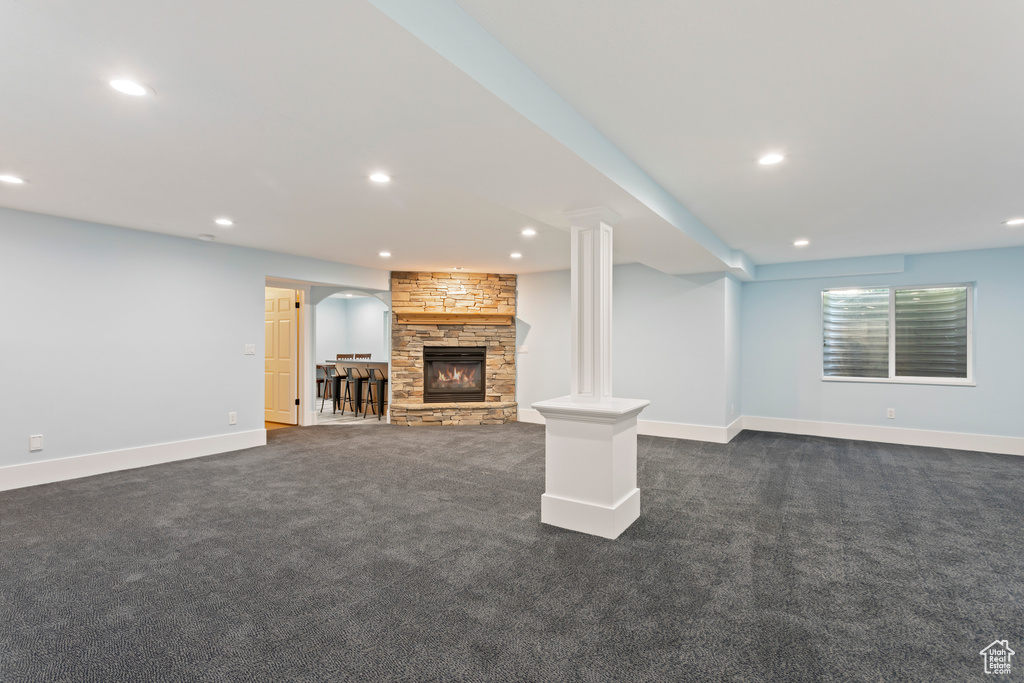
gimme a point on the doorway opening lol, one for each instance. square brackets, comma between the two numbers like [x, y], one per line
[353, 330]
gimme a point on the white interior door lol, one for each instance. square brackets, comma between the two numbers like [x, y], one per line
[281, 362]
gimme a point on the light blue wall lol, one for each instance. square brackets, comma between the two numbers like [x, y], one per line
[542, 324]
[669, 341]
[669, 344]
[123, 338]
[781, 351]
[733, 374]
[351, 326]
[366, 327]
[331, 328]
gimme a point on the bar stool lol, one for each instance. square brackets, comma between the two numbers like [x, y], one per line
[375, 392]
[354, 378]
[328, 381]
[335, 382]
[321, 375]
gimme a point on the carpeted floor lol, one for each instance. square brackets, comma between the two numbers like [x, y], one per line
[417, 554]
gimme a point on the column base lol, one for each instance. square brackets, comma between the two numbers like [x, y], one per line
[590, 464]
[590, 518]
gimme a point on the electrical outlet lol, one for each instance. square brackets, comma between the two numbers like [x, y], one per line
[732, 409]
[35, 442]
[250, 349]
[232, 418]
[890, 413]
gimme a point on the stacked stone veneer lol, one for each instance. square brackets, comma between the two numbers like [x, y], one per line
[452, 293]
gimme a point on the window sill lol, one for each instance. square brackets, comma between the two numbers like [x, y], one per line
[905, 380]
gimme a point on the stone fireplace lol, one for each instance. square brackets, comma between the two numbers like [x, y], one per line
[453, 341]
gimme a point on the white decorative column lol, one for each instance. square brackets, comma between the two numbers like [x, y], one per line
[590, 436]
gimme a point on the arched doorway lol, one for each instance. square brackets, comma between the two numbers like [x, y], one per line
[356, 324]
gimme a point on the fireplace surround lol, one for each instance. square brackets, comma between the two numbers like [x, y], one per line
[452, 311]
[454, 373]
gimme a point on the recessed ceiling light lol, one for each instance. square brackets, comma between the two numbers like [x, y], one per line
[128, 87]
[529, 232]
[457, 268]
[1015, 221]
[380, 177]
[769, 159]
[348, 295]
[12, 179]
[207, 238]
[226, 222]
[385, 254]
[801, 243]
[516, 254]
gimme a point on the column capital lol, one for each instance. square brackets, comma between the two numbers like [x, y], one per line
[592, 217]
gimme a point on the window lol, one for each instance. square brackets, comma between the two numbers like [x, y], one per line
[899, 334]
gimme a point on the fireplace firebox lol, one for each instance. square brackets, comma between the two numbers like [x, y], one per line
[453, 374]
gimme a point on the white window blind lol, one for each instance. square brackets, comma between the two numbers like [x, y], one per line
[856, 332]
[915, 333]
[931, 332]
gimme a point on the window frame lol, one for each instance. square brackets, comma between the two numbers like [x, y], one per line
[893, 378]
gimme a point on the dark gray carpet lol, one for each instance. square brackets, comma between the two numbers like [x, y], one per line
[417, 554]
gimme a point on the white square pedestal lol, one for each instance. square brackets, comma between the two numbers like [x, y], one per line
[590, 464]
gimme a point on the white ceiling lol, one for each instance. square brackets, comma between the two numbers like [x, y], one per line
[900, 123]
[901, 120]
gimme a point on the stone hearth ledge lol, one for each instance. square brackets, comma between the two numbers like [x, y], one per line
[468, 413]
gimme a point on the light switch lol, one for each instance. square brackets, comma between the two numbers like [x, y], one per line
[524, 349]
[35, 442]
[250, 349]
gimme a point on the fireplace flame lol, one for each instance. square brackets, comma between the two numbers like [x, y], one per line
[456, 375]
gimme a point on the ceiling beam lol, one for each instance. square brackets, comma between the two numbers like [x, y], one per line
[451, 32]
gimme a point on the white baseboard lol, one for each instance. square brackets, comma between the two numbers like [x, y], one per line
[48, 471]
[733, 430]
[984, 443]
[529, 415]
[672, 430]
[1008, 445]
[679, 430]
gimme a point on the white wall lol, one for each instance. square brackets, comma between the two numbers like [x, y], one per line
[782, 356]
[669, 341]
[124, 339]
